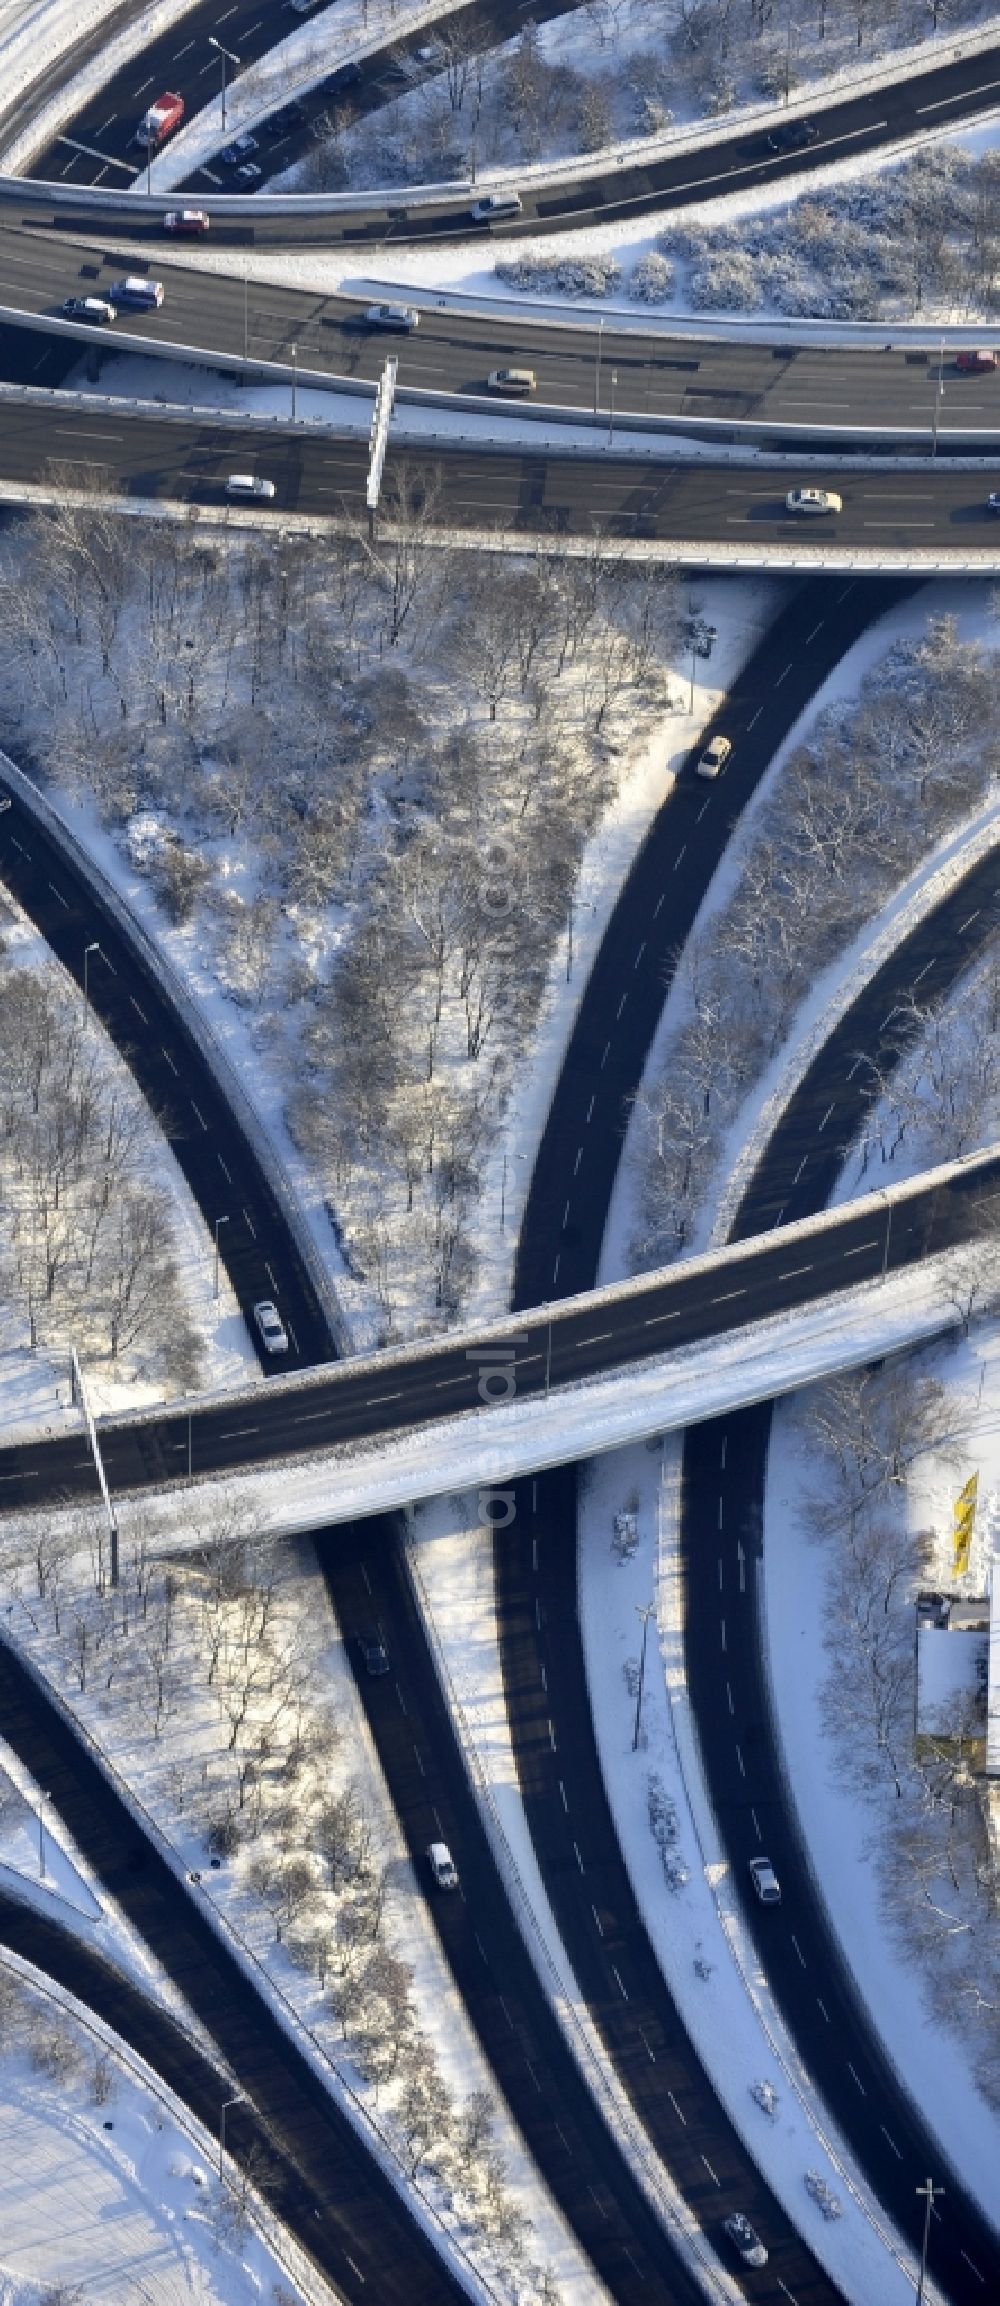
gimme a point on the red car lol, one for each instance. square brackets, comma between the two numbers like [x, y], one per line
[160, 121]
[189, 223]
[976, 361]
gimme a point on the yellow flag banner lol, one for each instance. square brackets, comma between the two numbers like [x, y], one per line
[965, 1517]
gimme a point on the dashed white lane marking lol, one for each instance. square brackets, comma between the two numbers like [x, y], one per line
[799, 1951]
[822, 2006]
[579, 1158]
[655, 1317]
[856, 2079]
[579, 1859]
[617, 1976]
[826, 1116]
[712, 2174]
[897, 2150]
[565, 1803]
[375, 1400]
[682, 2118]
[166, 1053]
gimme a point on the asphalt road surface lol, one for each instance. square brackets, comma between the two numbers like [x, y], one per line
[804, 390]
[722, 1533]
[535, 1562]
[219, 1164]
[96, 146]
[328, 2186]
[694, 504]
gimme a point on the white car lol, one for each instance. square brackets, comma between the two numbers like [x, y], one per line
[442, 1865]
[714, 757]
[96, 309]
[190, 223]
[517, 382]
[765, 1881]
[813, 500]
[250, 484]
[392, 316]
[495, 204]
[271, 1327]
[745, 2240]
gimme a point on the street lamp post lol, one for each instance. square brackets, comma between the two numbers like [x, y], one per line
[295, 373]
[611, 415]
[597, 364]
[225, 55]
[938, 398]
[87, 951]
[223, 2111]
[42, 1798]
[645, 1612]
[930, 2193]
[219, 1221]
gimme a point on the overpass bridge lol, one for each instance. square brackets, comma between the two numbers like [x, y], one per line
[593, 1372]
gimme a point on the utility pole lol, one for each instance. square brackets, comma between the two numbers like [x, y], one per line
[930, 2193]
[938, 398]
[645, 1612]
[597, 365]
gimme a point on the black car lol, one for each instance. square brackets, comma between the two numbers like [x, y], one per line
[290, 116]
[373, 1650]
[793, 136]
[348, 76]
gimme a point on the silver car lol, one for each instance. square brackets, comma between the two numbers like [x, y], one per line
[272, 1329]
[401, 316]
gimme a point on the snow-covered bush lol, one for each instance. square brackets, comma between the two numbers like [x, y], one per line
[542, 275]
[726, 281]
[652, 279]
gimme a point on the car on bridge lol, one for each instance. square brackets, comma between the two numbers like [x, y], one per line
[515, 382]
[400, 316]
[374, 1655]
[187, 223]
[975, 361]
[813, 500]
[96, 309]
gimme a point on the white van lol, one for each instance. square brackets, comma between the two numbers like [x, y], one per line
[250, 484]
[147, 295]
[442, 1866]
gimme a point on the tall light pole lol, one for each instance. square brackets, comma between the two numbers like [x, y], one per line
[938, 398]
[295, 374]
[223, 2111]
[219, 1221]
[225, 55]
[646, 1612]
[597, 365]
[930, 2193]
[87, 951]
[611, 413]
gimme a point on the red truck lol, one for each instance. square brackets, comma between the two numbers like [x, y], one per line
[160, 121]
